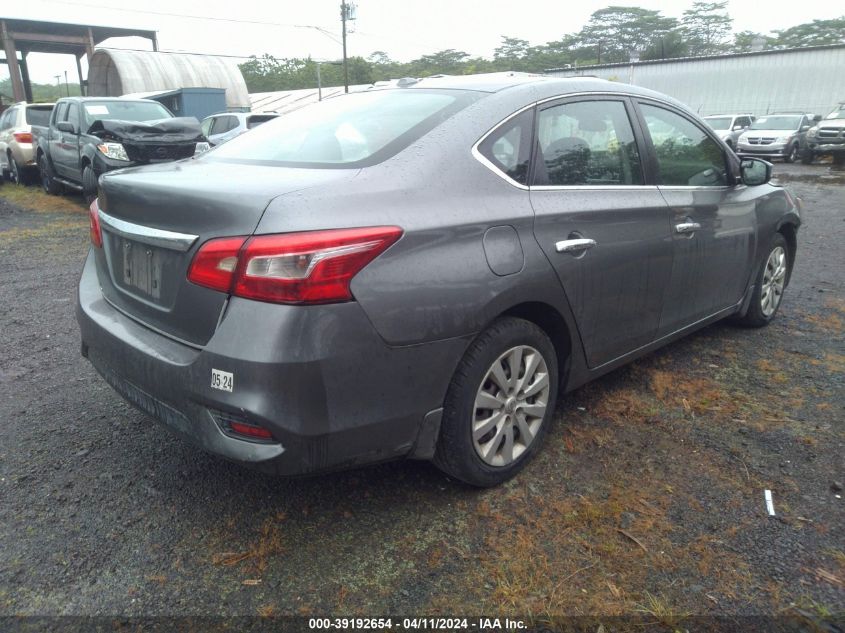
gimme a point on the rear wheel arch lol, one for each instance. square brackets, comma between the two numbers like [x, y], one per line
[790, 234]
[551, 321]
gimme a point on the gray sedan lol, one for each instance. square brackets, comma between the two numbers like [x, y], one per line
[418, 271]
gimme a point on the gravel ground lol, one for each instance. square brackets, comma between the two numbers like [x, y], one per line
[648, 497]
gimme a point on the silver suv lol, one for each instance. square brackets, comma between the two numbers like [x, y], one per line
[776, 136]
[17, 156]
[729, 126]
[827, 137]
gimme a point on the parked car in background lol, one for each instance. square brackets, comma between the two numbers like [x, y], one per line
[17, 155]
[776, 136]
[729, 126]
[88, 136]
[219, 128]
[827, 137]
[416, 271]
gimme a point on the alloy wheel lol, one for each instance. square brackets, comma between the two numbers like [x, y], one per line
[14, 173]
[510, 405]
[774, 279]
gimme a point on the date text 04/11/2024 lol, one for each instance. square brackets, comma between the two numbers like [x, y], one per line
[422, 624]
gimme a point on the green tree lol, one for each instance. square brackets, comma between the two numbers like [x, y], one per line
[614, 33]
[41, 93]
[744, 41]
[815, 33]
[672, 44]
[512, 54]
[448, 62]
[706, 27]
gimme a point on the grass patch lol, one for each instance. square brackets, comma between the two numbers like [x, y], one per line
[658, 608]
[34, 199]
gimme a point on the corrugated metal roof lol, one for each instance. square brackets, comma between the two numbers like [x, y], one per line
[283, 101]
[116, 72]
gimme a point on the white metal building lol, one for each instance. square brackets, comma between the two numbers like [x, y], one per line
[114, 72]
[809, 80]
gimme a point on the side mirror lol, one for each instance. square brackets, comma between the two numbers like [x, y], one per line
[66, 126]
[738, 127]
[755, 171]
[804, 128]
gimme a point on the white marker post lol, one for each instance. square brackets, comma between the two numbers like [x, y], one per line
[770, 506]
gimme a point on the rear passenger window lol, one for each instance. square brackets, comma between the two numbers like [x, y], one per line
[587, 143]
[686, 155]
[509, 147]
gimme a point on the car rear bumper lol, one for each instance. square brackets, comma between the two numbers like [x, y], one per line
[24, 155]
[332, 393]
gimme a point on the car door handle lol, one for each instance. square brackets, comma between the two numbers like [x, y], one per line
[574, 246]
[687, 227]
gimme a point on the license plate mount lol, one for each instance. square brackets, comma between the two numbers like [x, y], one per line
[142, 268]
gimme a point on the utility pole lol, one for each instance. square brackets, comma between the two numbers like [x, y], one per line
[347, 12]
[67, 87]
[343, 17]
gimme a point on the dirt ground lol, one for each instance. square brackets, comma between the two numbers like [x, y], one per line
[648, 498]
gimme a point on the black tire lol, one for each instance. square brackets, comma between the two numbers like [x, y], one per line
[807, 157]
[456, 453]
[48, 182]
[756, 315]
[17, 175]
[89, 184]
[792, 155]
[14, 171]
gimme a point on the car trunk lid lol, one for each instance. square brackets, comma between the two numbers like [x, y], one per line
[153, 220]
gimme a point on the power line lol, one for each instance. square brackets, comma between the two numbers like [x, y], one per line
[322, 30]
[184, 52]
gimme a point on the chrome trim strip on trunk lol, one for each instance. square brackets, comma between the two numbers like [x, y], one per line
[147, 235]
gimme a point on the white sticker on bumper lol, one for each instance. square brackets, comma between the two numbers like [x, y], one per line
[222, 380]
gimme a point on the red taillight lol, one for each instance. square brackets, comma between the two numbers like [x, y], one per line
[94, 221]
[215, 263]
[23, 137]
[250, 430]
[312, 267]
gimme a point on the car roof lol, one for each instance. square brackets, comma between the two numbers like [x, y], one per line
[514, 82]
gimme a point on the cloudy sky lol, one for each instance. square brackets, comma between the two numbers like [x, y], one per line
[405, 29]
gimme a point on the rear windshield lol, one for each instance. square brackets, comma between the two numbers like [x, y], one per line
[354, 130]
[38, 115]
[124, 111]
[776, 123]
[257, 119]
[718, 123]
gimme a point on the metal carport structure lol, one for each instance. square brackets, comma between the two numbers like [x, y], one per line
[35, 36]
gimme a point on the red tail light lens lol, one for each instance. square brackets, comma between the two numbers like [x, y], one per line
[23, 137]
[314, 267]
[94, 221]
[215, 263]
[250, 430]
[296, 268]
